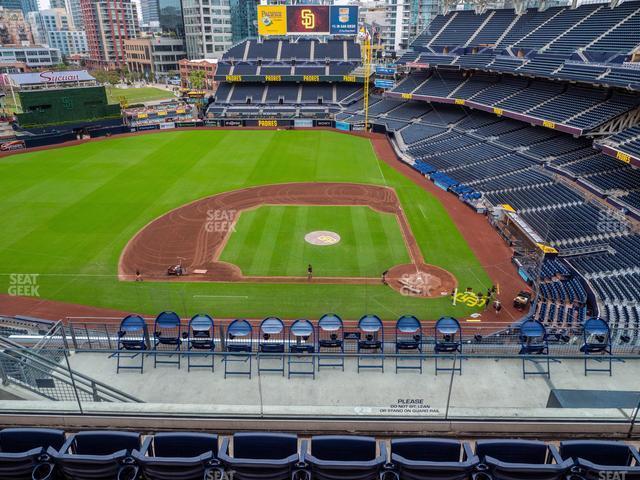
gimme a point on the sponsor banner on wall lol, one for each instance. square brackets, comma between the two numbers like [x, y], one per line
[212, 123]
[167, 126]
[12, 145]
[232, 123]
[383, 83]
[343, 126]
[272, 19]
[324, 123]
[303, 123]
[186, 124]
[142, 128]
[343, 20]
[358, 126]
[308, 19]
[385, 70]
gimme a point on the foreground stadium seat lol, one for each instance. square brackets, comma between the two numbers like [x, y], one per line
[166, 338]
[331, 340]
[594, 458]
[269, 456]
[302, 346]
[271, 345]
[132, 337]
[177, 456]
[596, 341]
[334, 456]
[448, 338]
[200, 337]
[521, 459]
[409, 341]
[99, 455]
[534, 341]
[432, 459]
[370, 342]
[26, 451]
[238, 340]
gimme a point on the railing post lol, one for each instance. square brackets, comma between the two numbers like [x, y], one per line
[73, 337]
[3, 374]
[65, 342]
[106, 330]
[634, 418]
[73, 382]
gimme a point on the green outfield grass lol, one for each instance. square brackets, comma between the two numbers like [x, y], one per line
[269, 241]
[67, 214]
[138, 95]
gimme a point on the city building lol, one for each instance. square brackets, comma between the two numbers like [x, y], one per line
[14, 28]
[405, 19]
[244, 15]
[31, 56]
[170, 18]
[149, 11]
[54, 27]
[209, 67]
[207, 25]
[75, 10]
[155, 58]
[25, 6]
[108, 23]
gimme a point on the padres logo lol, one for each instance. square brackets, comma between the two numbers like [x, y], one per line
[308, 19]
[322, 238]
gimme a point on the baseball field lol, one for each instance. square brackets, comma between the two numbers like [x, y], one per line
[69, 214]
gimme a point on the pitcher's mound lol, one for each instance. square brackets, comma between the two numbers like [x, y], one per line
[421, 280]
[322, 238]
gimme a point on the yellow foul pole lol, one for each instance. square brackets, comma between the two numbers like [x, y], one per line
[366, 56]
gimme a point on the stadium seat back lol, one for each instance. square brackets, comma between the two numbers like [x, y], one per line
[19, 440]
[513, 451]
[343, 449]
[427, 450]
[598, 452]
[184, 444]
[264, 446]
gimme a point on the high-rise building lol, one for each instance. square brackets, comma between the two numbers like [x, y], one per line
[108, 23]
[207, 25]
[54, 27]
[149, 10]
[154, 57]
[405, 19]
[25, 6]
[75, 10]
[244, 17]
[14, 28]
[170, 17]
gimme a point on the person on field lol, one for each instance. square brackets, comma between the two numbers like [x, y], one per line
[138, 276]
[384, 277]
[497, 306]
[309, 272]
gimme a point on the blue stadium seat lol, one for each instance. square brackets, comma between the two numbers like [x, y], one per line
[238, 347]
[331, 341]
[333, 457]
[409, 341]
[99, 455]
[27, 451]
[432, 459]
[256, 456]
[167, 338]
[271, 345]
[132, 337]
[594, 458]
[448, 338]
[200, 338]
[370, 342]
[521, 459]
[177, 455]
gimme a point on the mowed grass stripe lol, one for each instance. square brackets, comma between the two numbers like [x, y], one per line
[365, 251]
[292, 265]
[266, 247]
[242, 229]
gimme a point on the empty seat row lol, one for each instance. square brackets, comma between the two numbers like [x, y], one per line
[41, 454]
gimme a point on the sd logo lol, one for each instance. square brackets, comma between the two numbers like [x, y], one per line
[308, 19]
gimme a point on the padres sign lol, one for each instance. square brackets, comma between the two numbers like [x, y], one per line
[272, 19]
[308, 19]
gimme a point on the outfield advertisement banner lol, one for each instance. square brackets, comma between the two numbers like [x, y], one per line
[303, 123]
[168, 125]
[272, 19]
[343, 126]
[13, 145]
[142, 128]
[344, 20]
[308, 19]
[324, 123]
